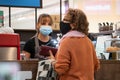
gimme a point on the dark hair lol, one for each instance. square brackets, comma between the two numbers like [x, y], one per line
[78, 18]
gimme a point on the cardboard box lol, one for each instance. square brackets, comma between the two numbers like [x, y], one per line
[56, 26]
[56, 18]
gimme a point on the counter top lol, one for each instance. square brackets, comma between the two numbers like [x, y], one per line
[109, 70]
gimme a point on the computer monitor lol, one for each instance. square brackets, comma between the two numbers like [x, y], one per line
[21, 3]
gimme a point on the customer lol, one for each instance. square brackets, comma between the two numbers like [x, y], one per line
[76, 57]
[43, 31]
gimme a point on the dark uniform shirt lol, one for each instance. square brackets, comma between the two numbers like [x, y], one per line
[30, 45]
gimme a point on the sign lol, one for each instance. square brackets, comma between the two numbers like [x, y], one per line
[1, 18]
[21, 3]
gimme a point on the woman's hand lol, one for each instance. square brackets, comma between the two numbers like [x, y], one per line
[51, 55]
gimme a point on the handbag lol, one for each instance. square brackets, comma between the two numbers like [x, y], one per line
[46, 70]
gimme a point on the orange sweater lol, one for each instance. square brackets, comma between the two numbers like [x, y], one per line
[76, 59]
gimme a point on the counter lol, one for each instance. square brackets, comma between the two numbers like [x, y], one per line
[110, 69]
[30, 66]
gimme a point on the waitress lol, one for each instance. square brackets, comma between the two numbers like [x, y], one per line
[42, 37]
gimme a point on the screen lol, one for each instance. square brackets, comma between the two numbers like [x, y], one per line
[21, 3]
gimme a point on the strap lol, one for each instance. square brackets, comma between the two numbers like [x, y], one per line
[37, 49]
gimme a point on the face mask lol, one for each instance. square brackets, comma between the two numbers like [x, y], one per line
[64, 27]
[45, 30]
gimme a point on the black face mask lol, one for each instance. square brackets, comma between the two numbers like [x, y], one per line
[64, 27]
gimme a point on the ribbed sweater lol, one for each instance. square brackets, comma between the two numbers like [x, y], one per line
[76, 59]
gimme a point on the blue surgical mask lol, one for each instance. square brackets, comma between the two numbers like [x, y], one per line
[45, 30]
